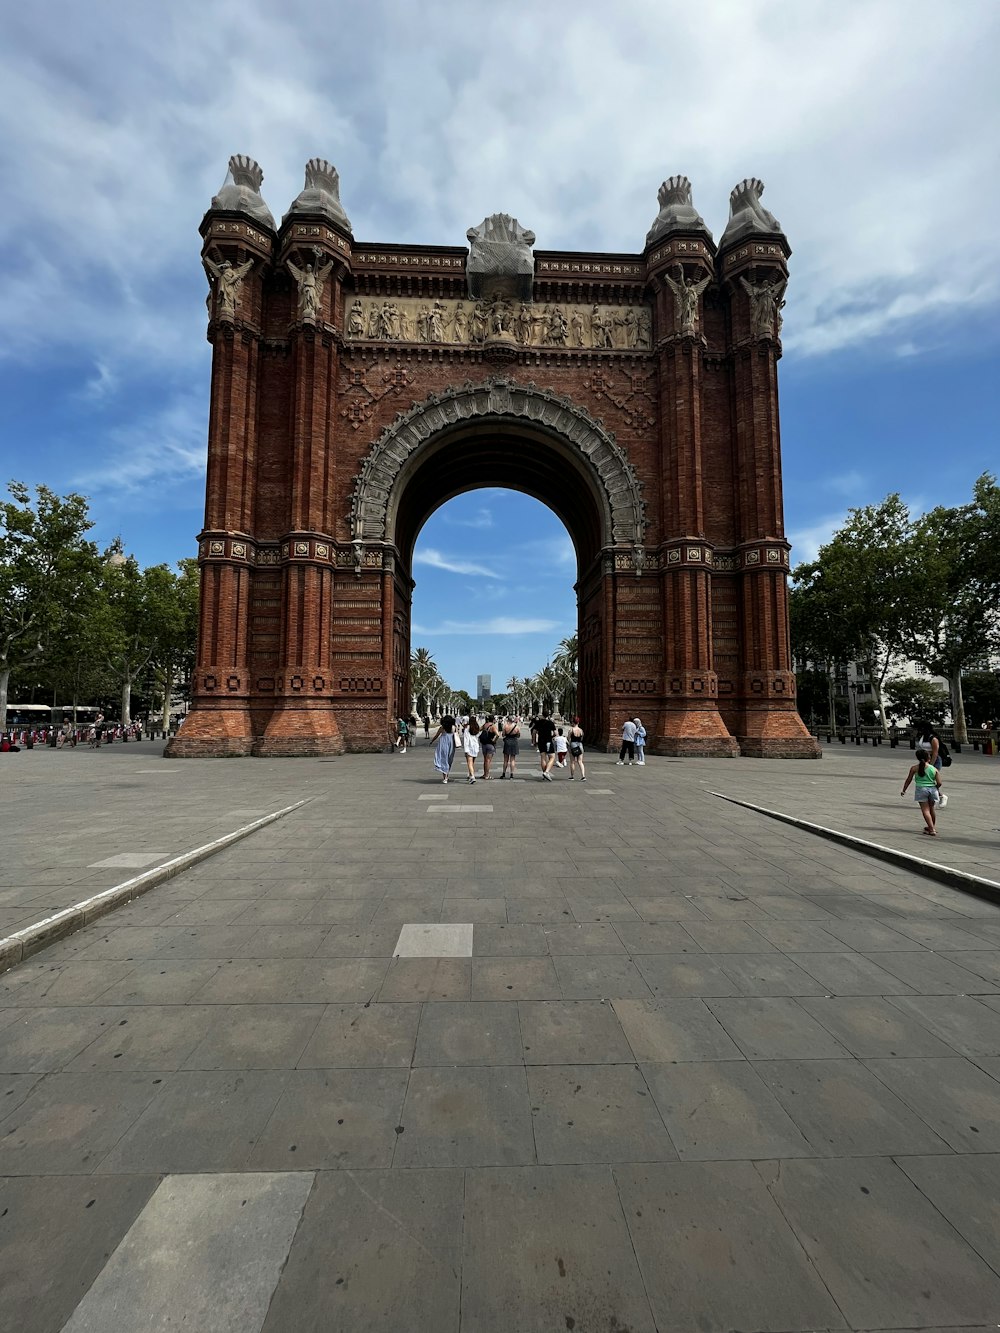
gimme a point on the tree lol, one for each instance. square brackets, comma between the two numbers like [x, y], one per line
[174, 651]
[981, 690]
[955, 616]
[45, 558]
[912, 697]
[855, 601]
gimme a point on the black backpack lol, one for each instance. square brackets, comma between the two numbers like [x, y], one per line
[944, 754]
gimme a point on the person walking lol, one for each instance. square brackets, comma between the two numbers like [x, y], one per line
[640, 741]
[488, 738]
[427, 726]
[511, 746]
[926, 790]
[628, 744]
[545, 730]
[402, 734]
[562, 748]
[470, 744]
[443, 741]
[576, 751]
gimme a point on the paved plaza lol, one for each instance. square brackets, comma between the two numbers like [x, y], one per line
[610, 1057]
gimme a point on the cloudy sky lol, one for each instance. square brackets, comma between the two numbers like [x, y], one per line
[874, 124]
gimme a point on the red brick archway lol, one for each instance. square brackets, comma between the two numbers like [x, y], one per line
[356, 387]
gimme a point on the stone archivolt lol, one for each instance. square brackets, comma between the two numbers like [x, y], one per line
[467, 323]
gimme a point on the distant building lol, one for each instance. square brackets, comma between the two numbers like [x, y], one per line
[484, 688]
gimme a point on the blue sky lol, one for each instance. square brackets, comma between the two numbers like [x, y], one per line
[875, 126]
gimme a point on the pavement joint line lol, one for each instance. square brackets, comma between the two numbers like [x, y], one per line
[32, 939]
[976, 885]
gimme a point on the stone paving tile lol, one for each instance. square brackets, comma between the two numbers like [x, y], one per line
[716, 1253]
[942, 935]
[253, 1036]
[871, 1026]
[362, 1036]
[985, 963]
[657, 911]
[547, 1248]
[45, 1040]
[798, 937]
[375, 1251]
[148, 1037]
[468, 1033]
[14, 1089]
[515, 979]
[591, 938]
[663, 1031]
[930, 974]
[775, 1029]
[595, 1113]
[955, 1099]
[350, 942]
[293, 981]
[55, 1237]
[966, 1190]
[871, 936]
[594, 977]
[480, 911]
[669, 975]
[969, 1026]
[510, 941]
[69, 1122]
[200, 1121]
[715, 1111]
[768, 974]
[162, 981]
[465, 1117]
[851, 974]
[539, 910]
[73, 983]
[416, 979]
[885, 1253]
[557, 1032]
[328, 1119]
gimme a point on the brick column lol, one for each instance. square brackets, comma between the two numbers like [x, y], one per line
[769, 724]
[303, 720]
[691, 723]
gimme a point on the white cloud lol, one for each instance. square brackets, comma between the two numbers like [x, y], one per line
[482, 518]
[807, 541]
[496, 625]
[437, 560]
[165, 449]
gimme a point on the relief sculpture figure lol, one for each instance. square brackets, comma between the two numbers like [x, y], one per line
[686, 292]
[460, 325]
[311, 280]
[766, 302]
[356, 320]
[228, 281]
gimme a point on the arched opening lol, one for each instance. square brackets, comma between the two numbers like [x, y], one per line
[504, 457]
[494, 610]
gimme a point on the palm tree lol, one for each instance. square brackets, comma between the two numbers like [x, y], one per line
[565, 664]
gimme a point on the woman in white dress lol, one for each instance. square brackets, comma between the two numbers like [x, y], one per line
[470, 744]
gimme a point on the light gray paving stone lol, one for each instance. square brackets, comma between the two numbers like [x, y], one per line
[332, 1119]
[434, 941]
[468, 1033]
[955, 1099]
[716, 1253]
[546, 1248]
[56, 1233]
[716, 1111]
[465, 1117]
[129, 860]
[375, 1250]
[673, 1030]
[206, 1251]
[886, 1254]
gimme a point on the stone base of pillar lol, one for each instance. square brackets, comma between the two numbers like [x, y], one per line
[212, 733]
[767, 734]
[696, 733]
[295, 733]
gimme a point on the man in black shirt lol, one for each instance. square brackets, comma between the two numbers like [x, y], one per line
[545, 730]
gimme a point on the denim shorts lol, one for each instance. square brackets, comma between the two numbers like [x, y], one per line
[926, 794]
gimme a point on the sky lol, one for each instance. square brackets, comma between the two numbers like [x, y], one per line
[875, 125]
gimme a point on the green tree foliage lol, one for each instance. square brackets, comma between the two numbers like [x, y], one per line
[912, 697]
[955, 619]
[46, 561]
[982, 697]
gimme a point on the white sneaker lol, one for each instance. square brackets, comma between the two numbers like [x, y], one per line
[619, 763]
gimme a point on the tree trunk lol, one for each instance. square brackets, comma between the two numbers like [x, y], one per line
[168, 690]
[958, 709]
[833, 701]
[877, 691]
[127, 701]
[4, 679]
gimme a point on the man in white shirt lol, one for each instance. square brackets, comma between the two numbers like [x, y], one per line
[628, 744]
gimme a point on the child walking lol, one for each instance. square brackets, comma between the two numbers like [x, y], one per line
[926, 790]
[562, 746]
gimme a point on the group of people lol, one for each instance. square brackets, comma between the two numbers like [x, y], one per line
[94, 734]
[557, 747]
[633, 747]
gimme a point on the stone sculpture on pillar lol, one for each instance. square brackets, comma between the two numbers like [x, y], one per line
[677, 212]
[228, 281]
[686, 292]
[766, 302]
[500, 258]
[311, 280]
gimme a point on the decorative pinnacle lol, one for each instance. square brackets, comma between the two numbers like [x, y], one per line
[738, 194]
[320, 174]
[674, 190]
[246, 172]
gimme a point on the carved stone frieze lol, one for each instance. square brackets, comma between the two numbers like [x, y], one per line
[613, 476]
[410, 319]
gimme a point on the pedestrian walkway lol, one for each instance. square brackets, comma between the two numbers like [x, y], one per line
[664, 1064]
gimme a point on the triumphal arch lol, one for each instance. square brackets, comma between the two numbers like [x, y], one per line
[356, 386]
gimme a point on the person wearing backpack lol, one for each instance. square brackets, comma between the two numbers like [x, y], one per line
[488, 738]
[928, 739]
[511, 746]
